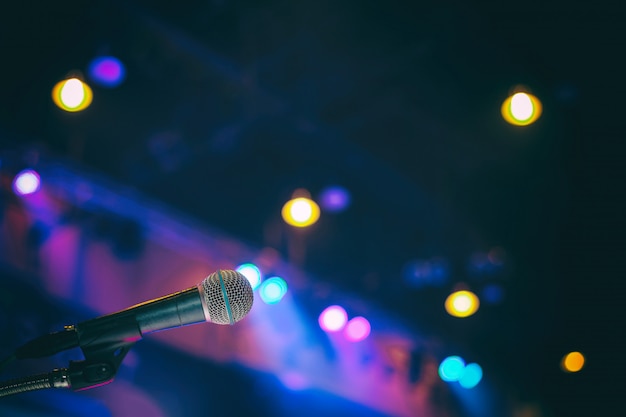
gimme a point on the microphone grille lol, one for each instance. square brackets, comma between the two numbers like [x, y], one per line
[228, 296]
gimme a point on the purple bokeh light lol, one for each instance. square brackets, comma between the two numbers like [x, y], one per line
[26, 182]
[357, 329]
[107, 71]
[333, 318]
[335, 199]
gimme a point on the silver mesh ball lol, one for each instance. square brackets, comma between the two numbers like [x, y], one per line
[239, 296]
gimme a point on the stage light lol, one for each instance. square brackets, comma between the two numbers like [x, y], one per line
[273, 290]
[107, 71]
[426, 272]
[335, 199]
[493, 293]
[72, 95]
[482, 264]
[252, 274]
[26, 182]
[472, 374]
[300, 212]
[333, 318]
[573, 362]
[497, 256]
[451, 368]
[521, 109]
[462, 304]
[357, 329]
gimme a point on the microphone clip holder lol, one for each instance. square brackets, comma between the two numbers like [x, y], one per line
[104, 346]
[96, 370]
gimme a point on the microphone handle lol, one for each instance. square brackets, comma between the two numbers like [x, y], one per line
[129, 325]
[106, 333]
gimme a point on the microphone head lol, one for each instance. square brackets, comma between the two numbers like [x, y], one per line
[227, 296]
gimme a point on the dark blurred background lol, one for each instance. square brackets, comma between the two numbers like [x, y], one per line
[228, 107]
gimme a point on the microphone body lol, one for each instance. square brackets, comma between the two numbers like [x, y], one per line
[224, 297]
[130, 325]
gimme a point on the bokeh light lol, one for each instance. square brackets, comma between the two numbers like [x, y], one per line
[521, 109]
[273, 290]
[451, 368]
[471, 376]
[493, 293]
[300, 212]
[26, 182]
[573, 362]
[252, 274]
[107, 71]
[72, 95]
[335, 199]
[333, 318]
[357, 329]
[426, 272]
[497, 256]
[487, 264]
[462, 303]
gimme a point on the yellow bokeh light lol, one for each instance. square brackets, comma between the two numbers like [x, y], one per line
[573, 362]
[72, 95]
[521, 109]
[300, 212]
[462, 303]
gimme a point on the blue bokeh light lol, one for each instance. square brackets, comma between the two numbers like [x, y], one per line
[493, 293]
[273, 290]
[432, 272]
[472, 375]
[452, 368]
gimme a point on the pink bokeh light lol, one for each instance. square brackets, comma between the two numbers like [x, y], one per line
[357, 329]
[333, 318]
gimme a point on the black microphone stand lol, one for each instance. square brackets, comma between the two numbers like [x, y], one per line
[97, 369]
[104, 346]
[89, 373]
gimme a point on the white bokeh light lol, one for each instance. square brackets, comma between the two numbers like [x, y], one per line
[462, 302]
[72, 93]
[26, 182]
[521, 106]
[333, 319]
[301, 211]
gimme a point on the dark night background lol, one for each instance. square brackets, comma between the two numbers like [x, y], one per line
[230, 106]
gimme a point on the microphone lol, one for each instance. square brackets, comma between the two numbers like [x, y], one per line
[224, 297]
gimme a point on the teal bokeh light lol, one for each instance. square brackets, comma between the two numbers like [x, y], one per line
[471, 376]
[273, 290]
[452, 368]
[252, 274]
